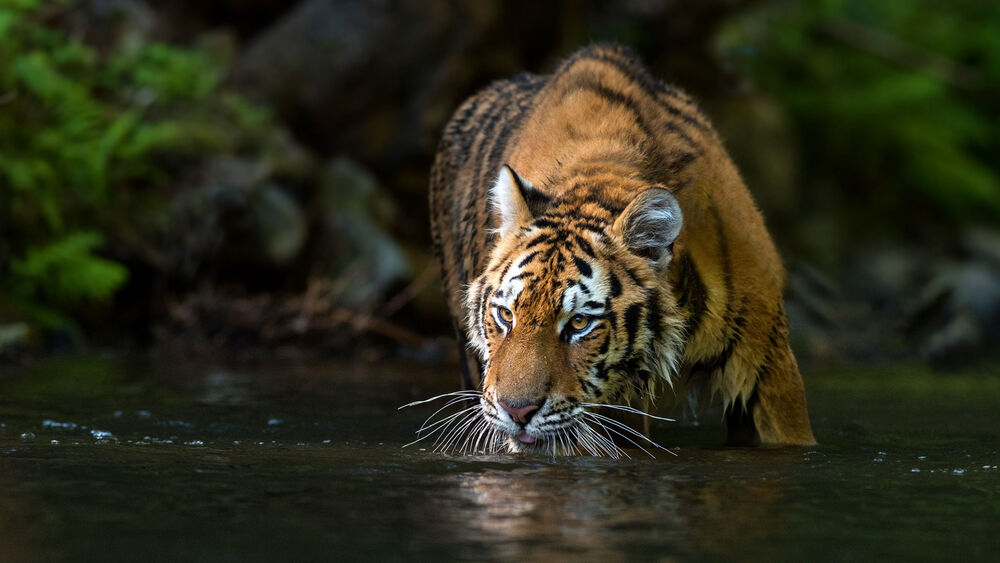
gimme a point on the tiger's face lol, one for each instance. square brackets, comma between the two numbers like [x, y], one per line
[573, 311]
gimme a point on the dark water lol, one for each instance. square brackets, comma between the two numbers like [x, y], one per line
[119, 460]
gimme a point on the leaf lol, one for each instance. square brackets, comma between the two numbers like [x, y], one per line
[66, 270]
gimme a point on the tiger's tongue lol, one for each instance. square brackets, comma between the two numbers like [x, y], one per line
[526, 438]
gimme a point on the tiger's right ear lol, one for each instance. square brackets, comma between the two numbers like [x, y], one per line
[515, 201]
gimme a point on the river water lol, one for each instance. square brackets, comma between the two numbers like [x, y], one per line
[110, 459]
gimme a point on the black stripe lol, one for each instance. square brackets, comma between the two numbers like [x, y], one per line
[527, 259]
[633, 69]
[632, 325]
[589, 84]
[583, 266]
[540, 239]
[600, 372]
[653, 314]
[691, 292]
[605, 345]
[585, 247]
[616, 285]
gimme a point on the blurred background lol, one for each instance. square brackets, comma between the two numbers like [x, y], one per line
[250, 177]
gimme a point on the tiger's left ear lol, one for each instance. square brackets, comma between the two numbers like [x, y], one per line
[650, 225]
[515, 201]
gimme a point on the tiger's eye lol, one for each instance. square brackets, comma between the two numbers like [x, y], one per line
[579, 322]
[505, 314]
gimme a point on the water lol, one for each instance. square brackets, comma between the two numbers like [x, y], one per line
[152, 460]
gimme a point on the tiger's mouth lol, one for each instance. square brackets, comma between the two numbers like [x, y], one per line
[463, 428]
[525, 438]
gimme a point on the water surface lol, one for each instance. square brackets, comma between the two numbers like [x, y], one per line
[123, 460]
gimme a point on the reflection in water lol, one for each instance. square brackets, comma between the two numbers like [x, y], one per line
[305, 463]
[607, 509]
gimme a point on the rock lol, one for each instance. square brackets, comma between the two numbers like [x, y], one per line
[280, 225]
[955, 341]
[13, 337]
[983, 243]
[957, 316]
[360, 252]
[346, 66]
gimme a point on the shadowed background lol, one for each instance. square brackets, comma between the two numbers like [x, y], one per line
[251, 176]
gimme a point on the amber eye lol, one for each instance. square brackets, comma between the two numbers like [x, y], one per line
[505, 315]
[579, 322]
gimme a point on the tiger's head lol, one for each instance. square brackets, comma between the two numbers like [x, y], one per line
[573, 310]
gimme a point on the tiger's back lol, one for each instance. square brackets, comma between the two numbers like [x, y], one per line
[583, 143]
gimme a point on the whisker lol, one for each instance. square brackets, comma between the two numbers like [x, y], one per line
[448, 404]
[628, 409]
[619, 426]
[624, 427]
[452, 394]
[454, 429]
[428, 427]
[605, 441]
[441, 427]
[457, 432]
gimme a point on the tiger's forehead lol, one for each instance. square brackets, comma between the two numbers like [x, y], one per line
[553, 272]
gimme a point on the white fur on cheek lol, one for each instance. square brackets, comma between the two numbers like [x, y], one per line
[505, 295]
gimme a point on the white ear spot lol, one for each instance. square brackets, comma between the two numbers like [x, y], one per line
[507, 199]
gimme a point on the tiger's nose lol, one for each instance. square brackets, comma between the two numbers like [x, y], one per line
[520, 415]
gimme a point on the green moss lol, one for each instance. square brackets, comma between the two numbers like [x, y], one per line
[894, 101]
[86, 136]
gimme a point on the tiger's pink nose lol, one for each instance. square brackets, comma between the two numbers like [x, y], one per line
[522, 415]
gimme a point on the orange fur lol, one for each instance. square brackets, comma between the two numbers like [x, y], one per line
[599, 151]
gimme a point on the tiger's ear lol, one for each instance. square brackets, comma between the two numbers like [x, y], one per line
[650, 224]
[515, 201]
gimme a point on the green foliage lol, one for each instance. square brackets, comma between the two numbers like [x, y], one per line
[896, 101]
[89, 137]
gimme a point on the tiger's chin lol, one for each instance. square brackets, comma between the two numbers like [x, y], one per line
[526, 443]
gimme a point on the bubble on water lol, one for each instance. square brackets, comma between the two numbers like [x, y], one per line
[103, 436]
[54, 442]
[59, 425]
[27, 435]
[914, 470]
[327, 441]
[275, 421]
[958, 472]
[236, 442]
[921, 457]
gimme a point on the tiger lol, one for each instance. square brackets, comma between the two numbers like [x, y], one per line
[597, 245]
